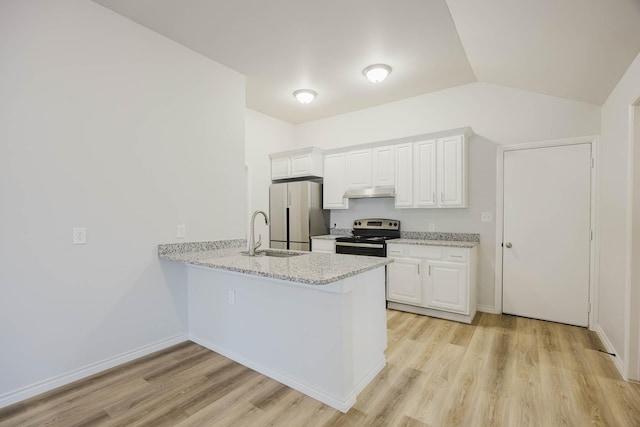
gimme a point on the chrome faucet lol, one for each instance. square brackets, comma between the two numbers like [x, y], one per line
[252, 244]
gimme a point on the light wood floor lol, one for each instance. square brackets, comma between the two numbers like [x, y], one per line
[500, 371]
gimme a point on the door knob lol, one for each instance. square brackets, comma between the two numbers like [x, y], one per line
[508, 245]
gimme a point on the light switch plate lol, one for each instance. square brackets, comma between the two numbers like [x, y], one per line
[486, 217]
[79, 236]
[181, 231]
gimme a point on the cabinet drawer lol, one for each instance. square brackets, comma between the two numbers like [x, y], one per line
[419, 251]
[456, 254]
[414, 251]
[395, 251]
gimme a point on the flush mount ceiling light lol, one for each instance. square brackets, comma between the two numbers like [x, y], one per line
[377, 72]
[305, 96]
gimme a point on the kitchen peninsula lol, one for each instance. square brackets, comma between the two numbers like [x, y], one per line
[315, 322]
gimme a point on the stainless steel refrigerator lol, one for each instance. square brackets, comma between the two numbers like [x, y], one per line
[296, 214]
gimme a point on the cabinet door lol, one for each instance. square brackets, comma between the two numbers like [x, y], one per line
[452, 177]
[383, 166]
[335, 182]
[301, 165]
[280, 168]
[323, 246]
[425, 177]
[359, 167]
[404, 175]
[403, 281]
[446, 286]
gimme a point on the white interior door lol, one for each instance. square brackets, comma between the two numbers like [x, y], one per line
[547, 233]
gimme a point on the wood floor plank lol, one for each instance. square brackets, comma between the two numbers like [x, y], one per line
[498, 371]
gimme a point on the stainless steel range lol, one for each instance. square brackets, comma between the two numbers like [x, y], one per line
[369, 237]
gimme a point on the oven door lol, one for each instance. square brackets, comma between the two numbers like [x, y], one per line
[369, 249]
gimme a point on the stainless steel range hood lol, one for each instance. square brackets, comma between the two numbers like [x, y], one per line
[364, 193]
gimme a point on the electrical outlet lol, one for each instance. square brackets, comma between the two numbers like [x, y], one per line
[486, 217]
[231, 297]
[432, 226]
[79, 236]
[181, 231]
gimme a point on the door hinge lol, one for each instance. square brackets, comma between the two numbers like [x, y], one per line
[591, 235]
[589, 308]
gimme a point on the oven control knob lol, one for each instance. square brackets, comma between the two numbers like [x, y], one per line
[390, 224]
[395, 223]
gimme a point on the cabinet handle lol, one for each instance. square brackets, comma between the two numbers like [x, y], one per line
[455, 256]
[429, 270]
[418, 269]
[434, 196]
[442, 197]
[289, 198]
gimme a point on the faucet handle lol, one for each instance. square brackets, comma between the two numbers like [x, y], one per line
[259, 242]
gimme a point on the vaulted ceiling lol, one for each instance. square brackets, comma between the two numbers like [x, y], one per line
[576, 49]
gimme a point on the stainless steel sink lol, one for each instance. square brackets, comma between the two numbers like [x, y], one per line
[278, 254]
[273, 253]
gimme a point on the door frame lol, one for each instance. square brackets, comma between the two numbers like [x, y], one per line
[631, 362]
[594, 141]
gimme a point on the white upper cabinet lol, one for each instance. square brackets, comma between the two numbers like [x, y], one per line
[335, 181]
[384, 166]
[427, 171]
[280, 168]
[297, 163]
[439, 176]
[425, 174]
[359, 169]
[404, 175]
[451, 172]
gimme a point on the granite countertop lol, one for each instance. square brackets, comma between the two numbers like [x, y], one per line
[309, 268]
[437, 238]
[329, 236]
[447, 243]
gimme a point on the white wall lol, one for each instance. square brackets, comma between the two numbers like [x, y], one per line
[109, 126]
[614, 206]
[263, 135]
[498, 115]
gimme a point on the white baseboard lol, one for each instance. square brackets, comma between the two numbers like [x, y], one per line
[40, 387]
[343, 405]
[488, 309]
[617, 360]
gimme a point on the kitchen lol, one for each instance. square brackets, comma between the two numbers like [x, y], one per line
[82, 167]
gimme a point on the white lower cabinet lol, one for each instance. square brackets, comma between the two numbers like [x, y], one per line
[447, 286]
[433, 280]
[403, 281]
[326, 246]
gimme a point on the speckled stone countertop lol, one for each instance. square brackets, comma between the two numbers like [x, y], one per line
[328, 236]
[430, 238]
[310, 268]
[447, 243]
